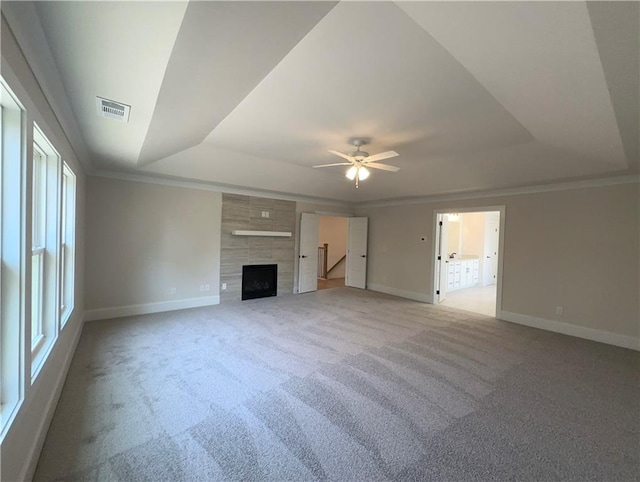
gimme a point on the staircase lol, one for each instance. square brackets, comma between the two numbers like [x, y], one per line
[323, 256]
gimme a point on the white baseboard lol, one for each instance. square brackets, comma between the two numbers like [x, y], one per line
[41, 432]
[411, 295]
[146, 308]
[592, 334]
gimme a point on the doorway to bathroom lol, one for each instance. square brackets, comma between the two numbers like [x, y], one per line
[468, 259]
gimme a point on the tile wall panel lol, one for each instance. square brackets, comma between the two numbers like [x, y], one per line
[245, 212]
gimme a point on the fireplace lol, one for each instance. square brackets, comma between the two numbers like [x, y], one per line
[259, 281]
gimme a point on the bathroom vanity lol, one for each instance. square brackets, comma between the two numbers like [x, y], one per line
[462, 272]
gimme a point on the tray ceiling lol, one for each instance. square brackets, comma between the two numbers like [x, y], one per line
[472, 95]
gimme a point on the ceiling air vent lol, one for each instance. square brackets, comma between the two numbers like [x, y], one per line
[113, 110]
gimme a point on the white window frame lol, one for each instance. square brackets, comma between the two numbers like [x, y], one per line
[67, 244]
[48, 211]
[38, 252]
[13, 208]
[31, 224]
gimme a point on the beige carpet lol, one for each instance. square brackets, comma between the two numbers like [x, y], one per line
[346, 385]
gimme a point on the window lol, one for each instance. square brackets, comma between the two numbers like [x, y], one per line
[46, 223]
[37, 208]
[67, 248]
[38, 223]
[12, 250]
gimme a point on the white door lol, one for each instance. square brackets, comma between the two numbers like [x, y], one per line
[442, 258]
[492, 239]
[308, 256]
[356, 271]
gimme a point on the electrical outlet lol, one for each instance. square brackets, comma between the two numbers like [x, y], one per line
[172, 291]
[559, 310]
[224, 286]
[207, 287]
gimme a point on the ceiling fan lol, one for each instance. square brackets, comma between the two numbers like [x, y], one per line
[361, 160]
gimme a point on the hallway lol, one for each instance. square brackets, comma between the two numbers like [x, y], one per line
[325, 284]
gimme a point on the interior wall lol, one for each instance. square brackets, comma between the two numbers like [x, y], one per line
[245, 213]
[333, 231]
[472, 234]
[453, 237]
[22, 443]
[576, 248]
[472, 226]
[146, 240]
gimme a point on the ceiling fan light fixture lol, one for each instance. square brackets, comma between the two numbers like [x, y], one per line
[358, 159]
[359, 155]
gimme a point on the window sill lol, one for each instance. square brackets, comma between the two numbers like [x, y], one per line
[8, 412]
[39, 356]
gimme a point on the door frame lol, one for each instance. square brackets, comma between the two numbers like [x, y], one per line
[502, 209]
[312, 223]
[438, 268]
[296, 261]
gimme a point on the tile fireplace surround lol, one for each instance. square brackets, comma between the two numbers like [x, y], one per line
[247, 213]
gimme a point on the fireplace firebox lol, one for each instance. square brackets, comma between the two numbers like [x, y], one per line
[259, 281]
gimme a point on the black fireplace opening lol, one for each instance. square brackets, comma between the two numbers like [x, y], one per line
[259, 281]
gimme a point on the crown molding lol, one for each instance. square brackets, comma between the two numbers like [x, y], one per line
[461, 196]
[516, 191]
[24, 24]
[214, 187]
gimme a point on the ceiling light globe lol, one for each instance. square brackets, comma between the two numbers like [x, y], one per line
[351, 173]
[363, 173]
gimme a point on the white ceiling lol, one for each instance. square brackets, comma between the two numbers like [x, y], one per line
[472, 95]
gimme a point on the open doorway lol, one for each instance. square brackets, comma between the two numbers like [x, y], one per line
[355, 263]
[468, 259]
[333, 232]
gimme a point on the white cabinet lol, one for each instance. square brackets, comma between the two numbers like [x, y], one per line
[476, 271]
[462, 273]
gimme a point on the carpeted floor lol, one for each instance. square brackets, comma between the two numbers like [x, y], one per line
[341, 384]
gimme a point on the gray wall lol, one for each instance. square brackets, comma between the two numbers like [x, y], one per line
[145, 239]
[245, 213]
[576, 248]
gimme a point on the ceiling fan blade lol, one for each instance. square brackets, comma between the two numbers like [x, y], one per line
[381, 156]
[334, 164]
[384, 167]
[344, 156]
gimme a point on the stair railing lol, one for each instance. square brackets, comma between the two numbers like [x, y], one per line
[323, 253]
